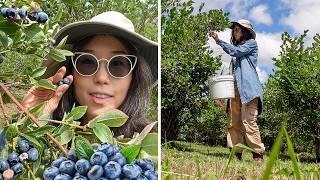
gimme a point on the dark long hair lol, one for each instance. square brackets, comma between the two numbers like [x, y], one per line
[134, 104]
[246, 35]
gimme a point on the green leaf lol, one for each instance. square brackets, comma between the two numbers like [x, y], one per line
[59, 14]
[34, 33]
[83, 148]
[150, 144]
[142, 135]
[31, 138]
[130, 152]
[38, 72]
[111, 118]
[273, 156]
[103, 133]
[66, 136]
[62, 43]
[66, 52]
[292, 155]
[47, 84]
[41, 131]
[77, 112]
[11, 132]
[56, 55]
[3, 39]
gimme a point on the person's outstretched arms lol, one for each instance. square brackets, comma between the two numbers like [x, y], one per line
[236, 51]
[51, 98]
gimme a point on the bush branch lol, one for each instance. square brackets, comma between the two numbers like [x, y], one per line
[32, 117]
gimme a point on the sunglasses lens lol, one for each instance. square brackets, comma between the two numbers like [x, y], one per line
[120, 66]
[86, 64]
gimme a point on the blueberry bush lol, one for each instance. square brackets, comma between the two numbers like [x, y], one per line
[35, 146]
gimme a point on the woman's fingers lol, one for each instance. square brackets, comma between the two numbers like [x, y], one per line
[53, 103]
[59, 75]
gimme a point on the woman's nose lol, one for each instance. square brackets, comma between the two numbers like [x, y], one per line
[102, 76]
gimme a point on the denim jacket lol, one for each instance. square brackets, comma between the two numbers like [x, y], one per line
[245, 73]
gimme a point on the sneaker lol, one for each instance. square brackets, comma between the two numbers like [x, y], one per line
[257, 157]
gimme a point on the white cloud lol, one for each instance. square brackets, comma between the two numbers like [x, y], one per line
[263, 76]
[303, 15]
[261, 15]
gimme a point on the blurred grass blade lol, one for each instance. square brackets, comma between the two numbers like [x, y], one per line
[231, 155]
[198, 169]
[273, 156]
[292, 156]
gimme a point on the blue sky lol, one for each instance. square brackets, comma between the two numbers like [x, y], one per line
[270, 19]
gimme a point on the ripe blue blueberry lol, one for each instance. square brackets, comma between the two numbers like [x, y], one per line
[98, 158]
[23, 146]
[131, 171]
[82, 166]
[3, 139]
[23, 12]
[63, 177]
[116, 149]
[151, 175]
[106, 148]
[17, 168]
[79, 177]
[95, 172]
[145, 164]
[59, 83]
[4, 12]
[33, 16]
[13, 158]
[119, 158]
[67, 167]
[12, 13]
[4, 165]
[50, 173]
[141, 177]
[33, 154]
[112, 169]
[72, 155]
[42, 17]
[66, 81]
[58, 161]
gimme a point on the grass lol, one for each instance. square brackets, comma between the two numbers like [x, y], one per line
[183, 160]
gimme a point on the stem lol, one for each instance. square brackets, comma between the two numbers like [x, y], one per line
[32, 117]
[65, 123]
[4, 110]
[29, 169]
[4, 51]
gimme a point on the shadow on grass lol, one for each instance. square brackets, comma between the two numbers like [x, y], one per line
[204, 151]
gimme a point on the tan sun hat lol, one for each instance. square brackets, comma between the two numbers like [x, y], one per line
[246, 24]
[110, 22]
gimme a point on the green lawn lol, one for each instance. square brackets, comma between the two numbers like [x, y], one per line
[183, 160]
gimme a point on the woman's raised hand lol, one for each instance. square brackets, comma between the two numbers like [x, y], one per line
[214, 35]
[51, 98]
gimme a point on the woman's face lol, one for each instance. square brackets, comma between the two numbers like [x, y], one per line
[101, 91]
[237, 33]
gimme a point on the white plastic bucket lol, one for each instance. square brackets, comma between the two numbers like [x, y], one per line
[221, 87]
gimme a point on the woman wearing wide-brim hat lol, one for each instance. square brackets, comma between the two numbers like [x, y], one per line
[247, 104]
[113, 67]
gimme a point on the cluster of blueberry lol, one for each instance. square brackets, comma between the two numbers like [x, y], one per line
[63, 81]
[13, 164]
[106, 163]
[16, 14]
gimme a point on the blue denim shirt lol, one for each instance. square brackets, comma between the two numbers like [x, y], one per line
[246, 76]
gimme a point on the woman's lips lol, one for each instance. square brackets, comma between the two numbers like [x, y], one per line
[100, 99]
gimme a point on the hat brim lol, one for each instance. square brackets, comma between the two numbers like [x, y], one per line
[80, 30]
[250, 30]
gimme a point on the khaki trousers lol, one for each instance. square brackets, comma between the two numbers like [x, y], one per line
[243, 124]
